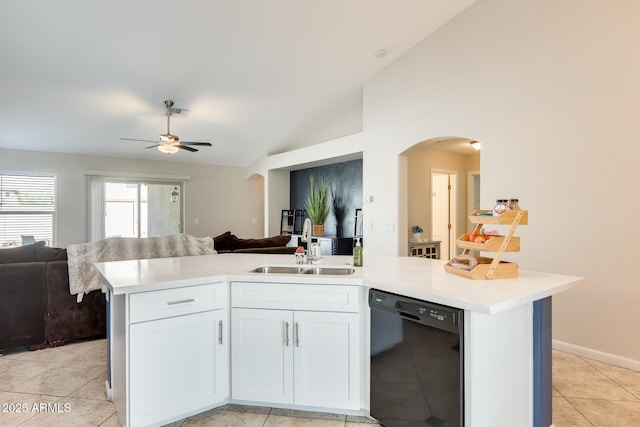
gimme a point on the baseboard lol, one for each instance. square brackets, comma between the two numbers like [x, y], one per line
[600, 356]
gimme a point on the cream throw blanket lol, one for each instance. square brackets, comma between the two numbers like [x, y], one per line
[84, 278]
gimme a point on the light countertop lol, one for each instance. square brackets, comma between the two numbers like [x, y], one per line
[414, 277]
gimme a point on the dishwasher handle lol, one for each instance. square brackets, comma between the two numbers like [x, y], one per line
[409, 316]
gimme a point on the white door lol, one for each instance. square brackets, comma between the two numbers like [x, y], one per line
[326, 352]
[262, 355]
[174, 366]
[443, 212]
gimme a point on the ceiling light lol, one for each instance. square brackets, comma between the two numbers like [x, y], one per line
[381, 53]
[167, 149]
[475, 145]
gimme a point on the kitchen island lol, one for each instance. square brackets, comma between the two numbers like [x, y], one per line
[186, 318]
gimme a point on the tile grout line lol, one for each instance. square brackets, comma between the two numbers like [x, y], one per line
[572, 405]
[267, 417]
[83, 385]
[588, 361]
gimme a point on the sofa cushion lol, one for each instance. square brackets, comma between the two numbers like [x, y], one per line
[267, 242]
[47, 254]
[26, 253]
[267, 250]
[222, 243]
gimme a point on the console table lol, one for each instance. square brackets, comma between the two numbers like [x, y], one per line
[424, 248]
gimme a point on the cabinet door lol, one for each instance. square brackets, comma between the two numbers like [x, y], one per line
[326, 359]
[262, 350]
[175, 366]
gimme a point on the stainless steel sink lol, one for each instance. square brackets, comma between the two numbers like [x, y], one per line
[339, 271]
[278, 269]
[275, 269]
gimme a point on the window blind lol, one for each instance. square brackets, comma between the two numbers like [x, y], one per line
[27, 208]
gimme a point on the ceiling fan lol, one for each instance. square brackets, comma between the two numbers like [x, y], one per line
[168, 143]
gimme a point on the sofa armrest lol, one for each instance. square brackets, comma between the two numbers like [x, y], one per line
[266, 242]
[23, 305]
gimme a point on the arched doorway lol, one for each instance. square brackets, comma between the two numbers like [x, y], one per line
[442, 182]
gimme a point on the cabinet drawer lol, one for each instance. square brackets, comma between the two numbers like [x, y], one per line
[152, 305]
[295, 297]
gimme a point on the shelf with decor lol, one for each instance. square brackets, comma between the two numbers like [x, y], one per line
[491, 268]
[292, 220]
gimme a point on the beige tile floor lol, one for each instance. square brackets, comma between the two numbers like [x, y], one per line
[64, 386]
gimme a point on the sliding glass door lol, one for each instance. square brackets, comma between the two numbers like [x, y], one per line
[141, 209]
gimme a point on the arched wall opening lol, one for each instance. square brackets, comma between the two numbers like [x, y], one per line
[426, 169]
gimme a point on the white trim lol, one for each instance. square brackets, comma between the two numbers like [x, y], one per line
[138, 175]
[470, 189]
[598, 355]
[453, 209]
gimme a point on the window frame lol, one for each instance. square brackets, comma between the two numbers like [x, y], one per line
[53, 213]
[139, 182]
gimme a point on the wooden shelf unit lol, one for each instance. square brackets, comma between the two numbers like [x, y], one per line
[497, 269]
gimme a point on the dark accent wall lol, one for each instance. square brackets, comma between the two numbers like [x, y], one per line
[345, 179]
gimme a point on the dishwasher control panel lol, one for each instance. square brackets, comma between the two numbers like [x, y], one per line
[436, 315]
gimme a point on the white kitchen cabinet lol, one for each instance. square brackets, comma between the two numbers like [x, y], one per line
[177, 359]
[299, 357]
[262, 357]
[326, 365]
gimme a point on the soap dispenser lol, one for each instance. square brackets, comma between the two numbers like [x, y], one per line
[357, 254]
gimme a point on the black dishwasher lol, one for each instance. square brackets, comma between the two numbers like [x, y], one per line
[417, 361]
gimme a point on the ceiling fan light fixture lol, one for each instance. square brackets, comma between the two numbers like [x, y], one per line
[167, 137]
[168, 143]
[475, 145]
[167, 149]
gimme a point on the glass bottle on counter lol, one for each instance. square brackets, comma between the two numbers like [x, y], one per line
[513, 205]
[357, 254]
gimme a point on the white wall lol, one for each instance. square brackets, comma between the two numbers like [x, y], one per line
[551, 89]
[219, 196]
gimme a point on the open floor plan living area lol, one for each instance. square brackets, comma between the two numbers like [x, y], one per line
[408, 213]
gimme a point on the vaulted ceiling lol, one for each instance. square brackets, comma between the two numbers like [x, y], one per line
[257, 76]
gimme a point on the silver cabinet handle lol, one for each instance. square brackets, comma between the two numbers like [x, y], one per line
[181, 301]
[296, 334]
[220, 332]
[286, 334]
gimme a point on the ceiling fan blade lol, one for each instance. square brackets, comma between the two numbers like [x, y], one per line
[152, 146]
[204, 144]
[133, 139]
[184, 147]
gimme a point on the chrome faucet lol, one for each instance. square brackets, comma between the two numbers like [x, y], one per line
[315, 253]
[306, 231]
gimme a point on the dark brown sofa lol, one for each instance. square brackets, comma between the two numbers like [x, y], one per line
[228, 242]
[36, 308]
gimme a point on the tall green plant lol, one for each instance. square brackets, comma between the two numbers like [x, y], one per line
[317, 203]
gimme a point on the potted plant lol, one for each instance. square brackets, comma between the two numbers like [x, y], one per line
[417, 232]
[317, 205]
